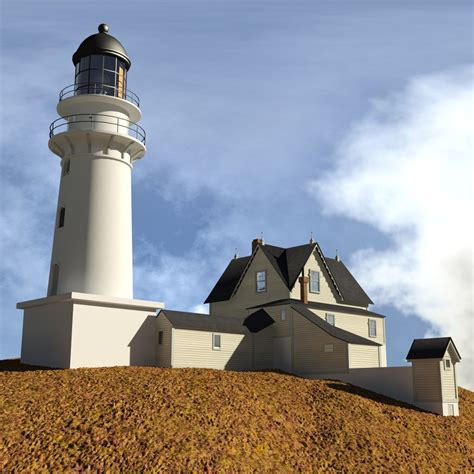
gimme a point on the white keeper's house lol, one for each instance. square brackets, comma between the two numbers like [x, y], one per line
[292, 309]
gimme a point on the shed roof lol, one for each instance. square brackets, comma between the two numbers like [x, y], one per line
[334, 331]
[322, 306]
[431, 348]
[205, 322]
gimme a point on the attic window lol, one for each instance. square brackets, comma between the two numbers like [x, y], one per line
[283, 314]
[216, 342]
[447, 364]
[160, 337]
[261, 281]
[313, 282]
[331, 319]
[372, 328]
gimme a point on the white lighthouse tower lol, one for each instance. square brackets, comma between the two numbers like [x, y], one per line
[89, 317]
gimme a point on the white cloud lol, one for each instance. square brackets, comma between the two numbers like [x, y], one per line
[407, 170]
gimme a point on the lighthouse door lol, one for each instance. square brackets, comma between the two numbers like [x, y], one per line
[282, 353]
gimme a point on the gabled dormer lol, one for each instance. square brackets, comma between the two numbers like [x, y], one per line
[273, 273]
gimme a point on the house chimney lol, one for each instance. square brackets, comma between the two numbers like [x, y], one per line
[337, 257]
[256, 242]
[304, 289]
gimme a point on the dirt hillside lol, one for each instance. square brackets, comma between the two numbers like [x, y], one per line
[139, 418]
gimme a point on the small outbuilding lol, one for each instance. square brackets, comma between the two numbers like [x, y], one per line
[434, 374]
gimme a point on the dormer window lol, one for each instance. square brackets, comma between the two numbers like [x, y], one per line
[313, 281]
[261, 281]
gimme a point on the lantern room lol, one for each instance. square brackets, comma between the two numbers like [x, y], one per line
[101, 65]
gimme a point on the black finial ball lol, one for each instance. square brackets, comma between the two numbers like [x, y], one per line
[103, 28]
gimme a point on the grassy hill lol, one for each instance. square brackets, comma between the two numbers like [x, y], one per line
[141, 418]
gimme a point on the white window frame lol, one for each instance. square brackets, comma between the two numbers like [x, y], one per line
[328, 347]
[216, 347]
[283, 314]
[374, 321]
[257, 281]
[447, 364]
[328, 317]
[311, 288]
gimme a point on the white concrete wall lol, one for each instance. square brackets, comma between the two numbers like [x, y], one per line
[104, 337]
[46, 338]
[83, 330]
[399, 383]
[394, 382]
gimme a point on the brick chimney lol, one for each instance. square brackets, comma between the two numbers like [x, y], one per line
[304, 289]
[256, 242]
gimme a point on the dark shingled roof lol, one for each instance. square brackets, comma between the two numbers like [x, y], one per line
[288, 263]
[223, 289]
[347, 284]
[334, 331]
[433, 348]
[258, 321]
[323, 306]
[205, 322]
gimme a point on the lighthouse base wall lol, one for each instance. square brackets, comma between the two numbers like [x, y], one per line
[75, 330]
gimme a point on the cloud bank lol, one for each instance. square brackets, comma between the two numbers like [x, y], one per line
[407, 170]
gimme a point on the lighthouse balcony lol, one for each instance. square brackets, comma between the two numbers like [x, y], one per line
[100, 123]
[100, 88]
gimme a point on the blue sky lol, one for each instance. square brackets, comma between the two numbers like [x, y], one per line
[278, 117]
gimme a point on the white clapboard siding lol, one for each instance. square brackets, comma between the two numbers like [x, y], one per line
[355, 323]
[309, 355]
[326, 292]
[448, 382]
[262, 349]
[427, 383]
[194, 349]
[363, 356]
[163, 351]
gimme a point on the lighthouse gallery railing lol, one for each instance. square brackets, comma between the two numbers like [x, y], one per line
[98, 122]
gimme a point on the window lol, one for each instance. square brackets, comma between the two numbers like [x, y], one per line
[313, 282]
[53, 280]
[261, 281]
[331, 319]
[372, 328]
[160, 337]
[283, 314]
[216, 342]
[62, 215]
[328, 347]
[447, 364]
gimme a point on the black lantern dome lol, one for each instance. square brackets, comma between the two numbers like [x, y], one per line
[99, 44]
[101, 64]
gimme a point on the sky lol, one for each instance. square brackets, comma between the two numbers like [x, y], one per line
[349, 119]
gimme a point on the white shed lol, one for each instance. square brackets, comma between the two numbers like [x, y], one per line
[434, 375]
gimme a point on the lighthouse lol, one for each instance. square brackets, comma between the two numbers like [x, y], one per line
[98, 140]
[89, 316]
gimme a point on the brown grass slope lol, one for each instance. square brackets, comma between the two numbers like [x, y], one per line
[139, 418]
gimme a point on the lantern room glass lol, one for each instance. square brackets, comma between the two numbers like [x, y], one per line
[101, 74]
